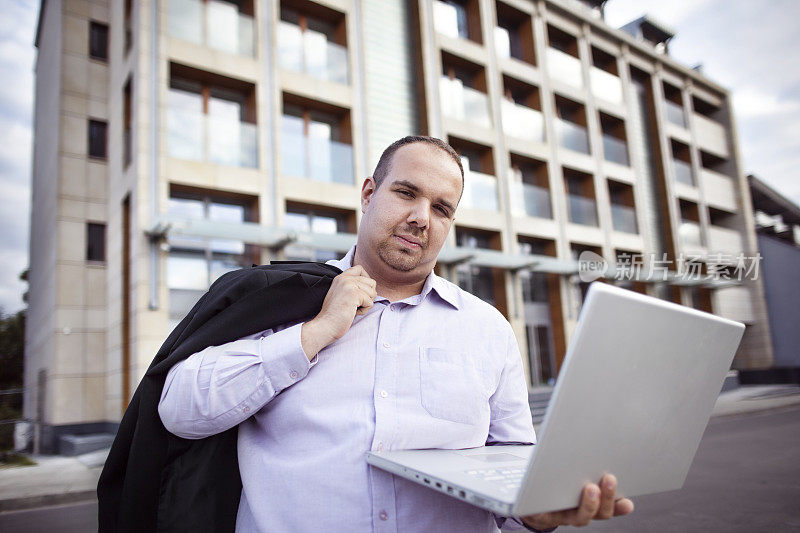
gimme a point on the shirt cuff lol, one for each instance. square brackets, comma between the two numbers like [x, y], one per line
[285, 362]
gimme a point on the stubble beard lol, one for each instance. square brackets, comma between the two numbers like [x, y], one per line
[399, 258]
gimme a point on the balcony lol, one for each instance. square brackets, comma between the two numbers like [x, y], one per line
[464, 103]
[311, 53]
[530, 200]
[683, 172]
[318, 159]
[200, 137]
[719, 190]
[564, 67]
[605, 85]
[480, 191]
[217, 25]
[675, 114]
[615, 150]
[725, 240]
[623, 218]
[711, 135]
[522, 122]
[689, 235]
[582, 210]
[572, 136]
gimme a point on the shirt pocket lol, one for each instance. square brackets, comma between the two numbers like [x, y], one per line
[450, 386]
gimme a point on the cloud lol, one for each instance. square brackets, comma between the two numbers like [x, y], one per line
[753, 102]
[17, 54]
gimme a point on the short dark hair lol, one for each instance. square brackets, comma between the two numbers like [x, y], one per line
[385, 162]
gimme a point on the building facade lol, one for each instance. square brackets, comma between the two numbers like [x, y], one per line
[176, 140]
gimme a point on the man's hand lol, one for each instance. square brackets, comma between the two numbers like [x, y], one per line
[597, 503]
[352, 292]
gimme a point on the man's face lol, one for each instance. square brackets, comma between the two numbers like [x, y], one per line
[407, 219]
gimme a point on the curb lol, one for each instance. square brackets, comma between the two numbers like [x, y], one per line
[46, 500]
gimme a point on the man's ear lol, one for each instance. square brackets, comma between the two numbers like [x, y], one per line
[367, 190]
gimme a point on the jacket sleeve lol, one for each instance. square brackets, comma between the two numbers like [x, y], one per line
[219, 387]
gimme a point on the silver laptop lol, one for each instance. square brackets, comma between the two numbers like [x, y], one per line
[633, 398]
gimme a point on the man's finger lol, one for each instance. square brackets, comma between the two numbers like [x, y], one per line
[608, 488]
[590, 502]
[622, 507]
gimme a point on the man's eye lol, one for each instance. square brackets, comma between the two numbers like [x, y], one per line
[405, 193]
[443, 211]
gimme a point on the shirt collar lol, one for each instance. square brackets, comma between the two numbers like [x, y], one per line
[446, 290]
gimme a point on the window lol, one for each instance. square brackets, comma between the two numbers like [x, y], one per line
[95, 242]
[196, 262]
[615, 144]
[530, 190]
[580, 197]
[97, 138]
[128, 24]
[623, 207]
[127, 117]
[211, 118]
[459, 19]
[98, 41]
[571, 125]
[314, 45]
[486, 283]
[317, 220]
[315, 142]
[480, 183]
[513, 35]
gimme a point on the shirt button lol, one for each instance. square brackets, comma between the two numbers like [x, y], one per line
[384, 394]
[246, 409]
[380, 446]
[293, 374]
[385, 344]
[384, 515]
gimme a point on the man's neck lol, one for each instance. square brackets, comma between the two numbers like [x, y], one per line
[391, 289]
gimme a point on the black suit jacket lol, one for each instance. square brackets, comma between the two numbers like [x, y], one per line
[156, 481]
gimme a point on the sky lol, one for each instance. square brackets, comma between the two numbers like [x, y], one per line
[748, 47]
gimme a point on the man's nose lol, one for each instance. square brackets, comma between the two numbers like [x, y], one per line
[420, 214]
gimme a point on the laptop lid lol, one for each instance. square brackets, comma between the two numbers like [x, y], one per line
[633, 398]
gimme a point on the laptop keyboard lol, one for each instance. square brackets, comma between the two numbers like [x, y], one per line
[509, 479]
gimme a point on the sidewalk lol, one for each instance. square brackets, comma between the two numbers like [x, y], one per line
[58, 480]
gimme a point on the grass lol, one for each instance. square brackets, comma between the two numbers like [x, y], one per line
[11, 459]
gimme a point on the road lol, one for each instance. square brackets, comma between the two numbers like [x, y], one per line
[745, 478]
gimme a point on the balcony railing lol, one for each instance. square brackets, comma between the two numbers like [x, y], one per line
[675, 113]
[582, 210]
[200, 137]
[480, 191]
[317, 159]
[615, 150]
[689, 234]
[710, 135]
[445, 20]
[464, 103]
[522, 122]
[683, 172]
[502, 42]
[572, 136]
[605, 85]
[530, 200]
[624, 218]
[725, 240]
[564, 67]
[218, 25]
[311, 53]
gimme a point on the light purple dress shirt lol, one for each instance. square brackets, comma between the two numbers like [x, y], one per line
[441, 369]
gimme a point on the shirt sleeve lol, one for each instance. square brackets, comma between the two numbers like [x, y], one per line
[510, 413]
[219, 387]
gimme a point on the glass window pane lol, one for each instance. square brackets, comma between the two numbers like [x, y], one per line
[326, 225]
[293, 146]
[297, 222]
[223, 26]
[186, 208]
[185, 271]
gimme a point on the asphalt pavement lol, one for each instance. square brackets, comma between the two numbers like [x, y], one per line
[746, 475]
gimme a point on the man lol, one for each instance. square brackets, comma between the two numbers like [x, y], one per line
[397, 358]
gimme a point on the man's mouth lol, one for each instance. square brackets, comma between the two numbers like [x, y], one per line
[409, 241]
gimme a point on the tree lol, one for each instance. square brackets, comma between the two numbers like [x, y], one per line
[12, 349]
